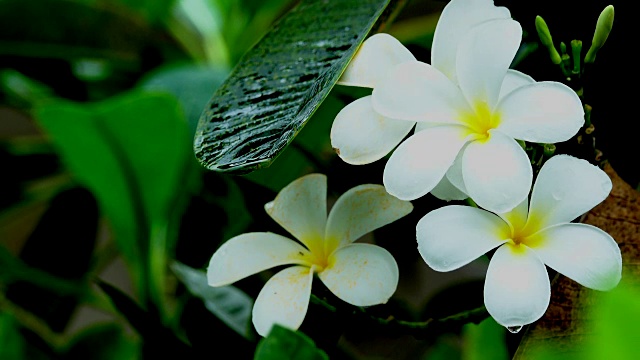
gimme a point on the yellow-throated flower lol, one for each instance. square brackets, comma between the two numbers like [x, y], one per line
[359, 274]
[517, 289]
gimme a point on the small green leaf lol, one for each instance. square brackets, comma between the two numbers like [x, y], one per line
[281, 81]
[228, 303]
[484, 341]
[282, 343]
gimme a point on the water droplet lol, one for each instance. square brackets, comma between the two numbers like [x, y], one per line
[514, 329]
[556, 196]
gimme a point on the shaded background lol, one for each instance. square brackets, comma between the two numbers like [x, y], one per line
[144, 66]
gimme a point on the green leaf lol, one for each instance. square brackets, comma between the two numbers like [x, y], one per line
[133, 153]
[615, 321]
[228, 303]
[191, 84]
[484, 341]
[282, 343]
[281, 81]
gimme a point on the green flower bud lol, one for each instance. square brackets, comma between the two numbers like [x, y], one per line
[546, 40]
[576, 49]
[548, 150]
[603, 28]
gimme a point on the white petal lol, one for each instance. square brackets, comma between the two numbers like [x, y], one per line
[517, 289]
[513, 80]
[483, 58]
[377, 55]
[420, 162]
[566, 188]
[456, 20]
[417, 91]
[453, 236]
[544, 112]
[251, 253]
[361, 274]
[361, 136]
[425, 125]
[454, 174]
[581, 252]
[301, 208]
[497, 172]
[445, 190]
[283, 300]
[361, 210]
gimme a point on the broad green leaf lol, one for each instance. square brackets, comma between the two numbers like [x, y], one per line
[282, 343]
[281, 81]
[191, 84]
[484, 341]
[228, 303]
[133, 153]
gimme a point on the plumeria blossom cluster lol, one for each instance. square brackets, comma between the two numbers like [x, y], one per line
[468, 108]
[468, 111]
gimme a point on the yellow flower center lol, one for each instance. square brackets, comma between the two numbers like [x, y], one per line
[480, 120]
[526, 235]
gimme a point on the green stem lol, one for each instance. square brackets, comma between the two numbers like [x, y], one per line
[419, 329]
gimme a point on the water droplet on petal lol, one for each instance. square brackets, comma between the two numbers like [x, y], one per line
[557, 196]
[514, 329]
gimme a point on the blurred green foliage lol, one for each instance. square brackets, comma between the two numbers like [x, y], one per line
[105, 95]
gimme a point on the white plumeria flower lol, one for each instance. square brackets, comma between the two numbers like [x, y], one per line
[517, 289]
[359, 134]
[470, 115]
[359, 274]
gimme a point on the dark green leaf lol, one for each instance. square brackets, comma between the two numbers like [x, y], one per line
[70, 30]
[282, 343]
[228, 303]
[279, 83]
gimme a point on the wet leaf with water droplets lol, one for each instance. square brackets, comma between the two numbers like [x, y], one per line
[281, 81]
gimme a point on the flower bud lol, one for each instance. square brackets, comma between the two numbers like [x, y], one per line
[603, 28]
[576, 49]
[546, 40]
